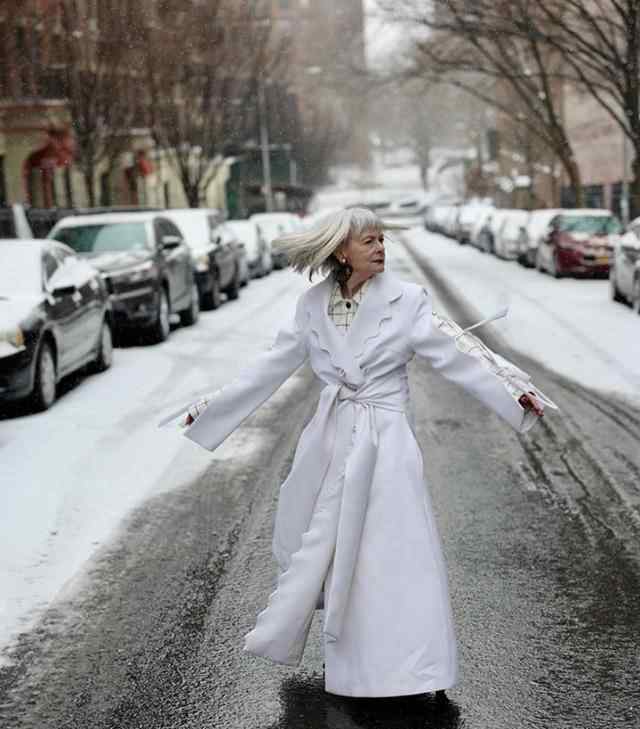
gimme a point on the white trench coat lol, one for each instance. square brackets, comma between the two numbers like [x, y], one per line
[354, 525]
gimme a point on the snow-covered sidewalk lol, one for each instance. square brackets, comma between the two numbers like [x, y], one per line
[569, 325]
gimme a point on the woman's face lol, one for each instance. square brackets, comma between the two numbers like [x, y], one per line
[365, 254]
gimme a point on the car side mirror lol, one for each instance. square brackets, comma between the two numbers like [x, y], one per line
[170, 241]
[64, 289]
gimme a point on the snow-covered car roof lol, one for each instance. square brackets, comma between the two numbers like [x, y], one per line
[596, 212]
[102, 218]
[258, 217]
[36, 243]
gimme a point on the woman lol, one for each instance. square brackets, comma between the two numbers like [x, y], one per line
[354, 530]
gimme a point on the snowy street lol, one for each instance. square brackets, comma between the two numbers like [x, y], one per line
[133, 561]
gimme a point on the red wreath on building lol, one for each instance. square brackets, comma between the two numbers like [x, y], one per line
[58, 151]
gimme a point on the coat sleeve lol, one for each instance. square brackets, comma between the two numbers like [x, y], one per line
[490, 378]
[232, 404]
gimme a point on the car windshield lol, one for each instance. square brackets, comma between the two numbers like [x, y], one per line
[194, 227]
[272, 229]
[104, 237]
[593, 224]
[20, 270]
[245, 231]
[538, 222]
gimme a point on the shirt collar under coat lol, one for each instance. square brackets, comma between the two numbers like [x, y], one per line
[344, 350]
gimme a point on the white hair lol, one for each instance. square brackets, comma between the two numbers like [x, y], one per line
[314, 247]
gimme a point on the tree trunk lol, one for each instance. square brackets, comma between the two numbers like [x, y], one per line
[634, 186]
[88, 176]
[193, 196]
[575, 181]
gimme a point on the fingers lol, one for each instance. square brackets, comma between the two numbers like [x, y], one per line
[530, 402]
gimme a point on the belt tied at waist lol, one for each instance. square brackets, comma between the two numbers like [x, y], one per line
[358, 476]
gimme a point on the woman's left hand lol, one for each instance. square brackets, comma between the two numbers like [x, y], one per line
[530, 402]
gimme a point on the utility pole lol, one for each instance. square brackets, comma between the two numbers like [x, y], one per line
[264, 146]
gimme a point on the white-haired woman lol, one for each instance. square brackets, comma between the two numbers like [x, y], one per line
[355, 531]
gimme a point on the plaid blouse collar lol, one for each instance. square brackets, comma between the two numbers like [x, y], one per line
[337, 297]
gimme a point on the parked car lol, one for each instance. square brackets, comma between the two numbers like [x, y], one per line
[145, 263]
[529, 240]
[469, 214]
[507, 238]
[214, 254]
[408, 210]
[274, 225]
[482, 218]
[229, 237]
[450, 221]
[624, 271]
[256, 246]
[55, 317]
[578, 242]
[491, 229]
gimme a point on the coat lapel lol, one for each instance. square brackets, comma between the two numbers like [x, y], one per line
[344, 350]
[374, 308]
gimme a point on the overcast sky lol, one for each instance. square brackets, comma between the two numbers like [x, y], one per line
[381, 36]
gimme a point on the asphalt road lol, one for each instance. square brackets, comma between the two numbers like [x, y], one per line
[541, 539]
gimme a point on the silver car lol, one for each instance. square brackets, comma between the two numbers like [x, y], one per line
[624, 271]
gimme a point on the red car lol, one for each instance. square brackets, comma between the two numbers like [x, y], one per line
[578, 242]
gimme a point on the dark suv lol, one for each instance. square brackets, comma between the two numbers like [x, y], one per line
[145, 262]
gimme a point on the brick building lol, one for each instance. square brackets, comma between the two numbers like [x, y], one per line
[602, 154]
[327, 42]
[38, 146]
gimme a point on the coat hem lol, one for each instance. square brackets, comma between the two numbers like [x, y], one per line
[429, 687]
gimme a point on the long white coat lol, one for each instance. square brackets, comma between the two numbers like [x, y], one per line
[354, 527]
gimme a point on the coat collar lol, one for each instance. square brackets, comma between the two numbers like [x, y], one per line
[345, 349]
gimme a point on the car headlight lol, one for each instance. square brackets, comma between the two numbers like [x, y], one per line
[142, 272]
[202, 262]
[11, 341]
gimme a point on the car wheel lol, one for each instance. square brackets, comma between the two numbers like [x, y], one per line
[555, 268]
[212, 299]
[233, 290]
[539, 264]
[614, 292]
[190, 315]
[44, 389]
[104, 358]
[161, 329]
[635, 295]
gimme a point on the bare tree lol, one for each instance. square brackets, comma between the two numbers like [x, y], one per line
[599, 44]
[494, 51]
[100, 81]
[202, 78]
